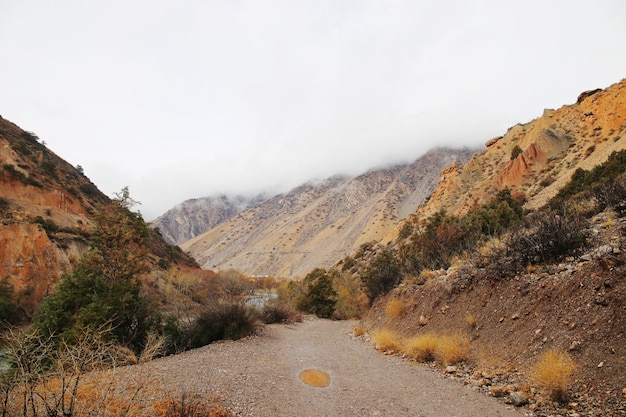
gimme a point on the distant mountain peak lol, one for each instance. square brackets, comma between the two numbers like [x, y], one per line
[198, 215]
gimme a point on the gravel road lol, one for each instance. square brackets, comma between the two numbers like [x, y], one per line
[259, 376]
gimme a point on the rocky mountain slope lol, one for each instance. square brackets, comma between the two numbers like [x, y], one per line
[45, 224]
[316, 224]
[44, 213]
[553, 146]
[196, 216]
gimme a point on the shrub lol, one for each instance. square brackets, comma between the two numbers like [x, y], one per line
[515, 152]
[4, 205]
[279, 313]
[48, 225]
[176, 338]
[8, 303]
[89, 189]
[611, 194]
[553, 372]
[386, 340]
[49, 168]
[452, 349]
[495, 217]
[351, 301]
[30, 137]
[442, 238]
[223, 320]
[394, 308]
[421, 348]
[382, 274]
[583, 180]
[347, 263]
[320, 296]
[550, 236]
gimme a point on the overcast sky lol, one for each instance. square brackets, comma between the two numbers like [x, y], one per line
[188, 98]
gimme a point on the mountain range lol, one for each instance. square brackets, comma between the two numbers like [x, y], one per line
[320, 222]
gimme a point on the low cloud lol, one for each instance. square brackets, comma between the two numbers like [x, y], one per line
[194, 98]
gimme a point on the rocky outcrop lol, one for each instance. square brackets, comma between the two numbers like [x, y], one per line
[581, 135]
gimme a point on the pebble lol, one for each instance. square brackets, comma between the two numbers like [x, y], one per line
[451, 369]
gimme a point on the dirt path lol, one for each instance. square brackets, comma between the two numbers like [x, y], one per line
[259, 377]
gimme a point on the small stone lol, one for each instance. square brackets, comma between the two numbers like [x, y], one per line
[499, 391]
[515, 316]
[450, 369]
[601, 364]
[538, 331]
[518, 399]
[481, 382]
[575, 345]
[423, 321]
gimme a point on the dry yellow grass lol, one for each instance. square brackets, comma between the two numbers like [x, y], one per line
[394, 308]
[470, 319]
[493, 359]
[421, 348]
[553, 372]
[385, 339]
[452, 349]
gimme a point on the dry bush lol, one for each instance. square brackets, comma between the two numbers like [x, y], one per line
[553, 372]
[43, 378]
[395, 308]
[155, 347]
[228, 319]
[452, 349]
[385, 339]
[280, 313]
[470, 320]
[421, 348]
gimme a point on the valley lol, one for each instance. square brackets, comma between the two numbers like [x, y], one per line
[506, 253]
